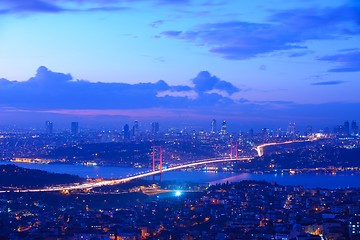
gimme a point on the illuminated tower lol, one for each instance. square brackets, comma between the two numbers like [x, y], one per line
[49, 126]
[135, 129]
[223, 128]
[136, 125]
[213, 126]
[157, 157]
[74, 128]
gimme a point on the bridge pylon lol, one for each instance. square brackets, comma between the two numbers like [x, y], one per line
[234, 149]
[157, 157]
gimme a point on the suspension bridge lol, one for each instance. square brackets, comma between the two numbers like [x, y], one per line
[157, 160]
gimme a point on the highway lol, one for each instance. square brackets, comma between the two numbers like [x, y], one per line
[260, 148]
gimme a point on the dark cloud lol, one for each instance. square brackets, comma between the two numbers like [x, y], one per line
[299, 54]
[156, 23]
[52, 95]
[171, 33]
[321, 22]
[240, 40]
[103, 9]
[58, 6]
[49, 6]
[287, 30]
[181, 88]
[349, 49]
[46, 77]
[262, 67]
[52, 90]
[15, 6]
[205, 82]
[350, 62]
[328, 83]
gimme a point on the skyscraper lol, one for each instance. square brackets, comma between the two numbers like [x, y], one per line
[354, 128]
[49, 127]
[126, 131]
[136, 125]
[155, 127]
[74, 128]
[346, 128]
[265, 133]
[291, 129]
[213, 126]
[308, 130]
[339, 130]
[135, 129]
[223, 127]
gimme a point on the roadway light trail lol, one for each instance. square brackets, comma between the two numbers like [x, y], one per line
[260, 148]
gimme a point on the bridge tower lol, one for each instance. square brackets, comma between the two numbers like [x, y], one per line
[157, 158]
[234, 149]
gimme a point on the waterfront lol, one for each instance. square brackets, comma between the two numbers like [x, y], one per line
[309, 180]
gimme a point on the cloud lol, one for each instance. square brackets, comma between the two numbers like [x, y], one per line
[58, 6]
[328, 83]
[52, 90]
[350, 62]
[188, 94]
[321, 22]
[11, 6]
[205, 82]
[49, 6]
[299, 53]
[156, 23]
[239, 40]
[287, 30]
[60, 97]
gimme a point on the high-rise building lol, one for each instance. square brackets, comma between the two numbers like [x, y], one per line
[136, 125]
[308, 130]
[49, 127]
[251, 133]
[223, 127]
[126, 132]
[339, 130]
[155, 127]
[265, 133]
[74, 128]
[354, 128]
[346, 129]
[326, 130]
[291, 129]
[213, 126]
[354, 227]
[135, 129]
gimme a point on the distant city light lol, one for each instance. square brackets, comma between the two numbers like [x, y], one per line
[177, 193]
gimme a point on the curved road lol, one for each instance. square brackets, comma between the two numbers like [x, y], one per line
[260, 148]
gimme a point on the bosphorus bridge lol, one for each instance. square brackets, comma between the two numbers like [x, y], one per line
[152, 172]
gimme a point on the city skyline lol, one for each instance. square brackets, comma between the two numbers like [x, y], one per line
[256, 64]
[132, 130]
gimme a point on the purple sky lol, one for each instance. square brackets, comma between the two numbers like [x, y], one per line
[254, 63]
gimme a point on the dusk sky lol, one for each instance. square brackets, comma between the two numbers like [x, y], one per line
[253, 63]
